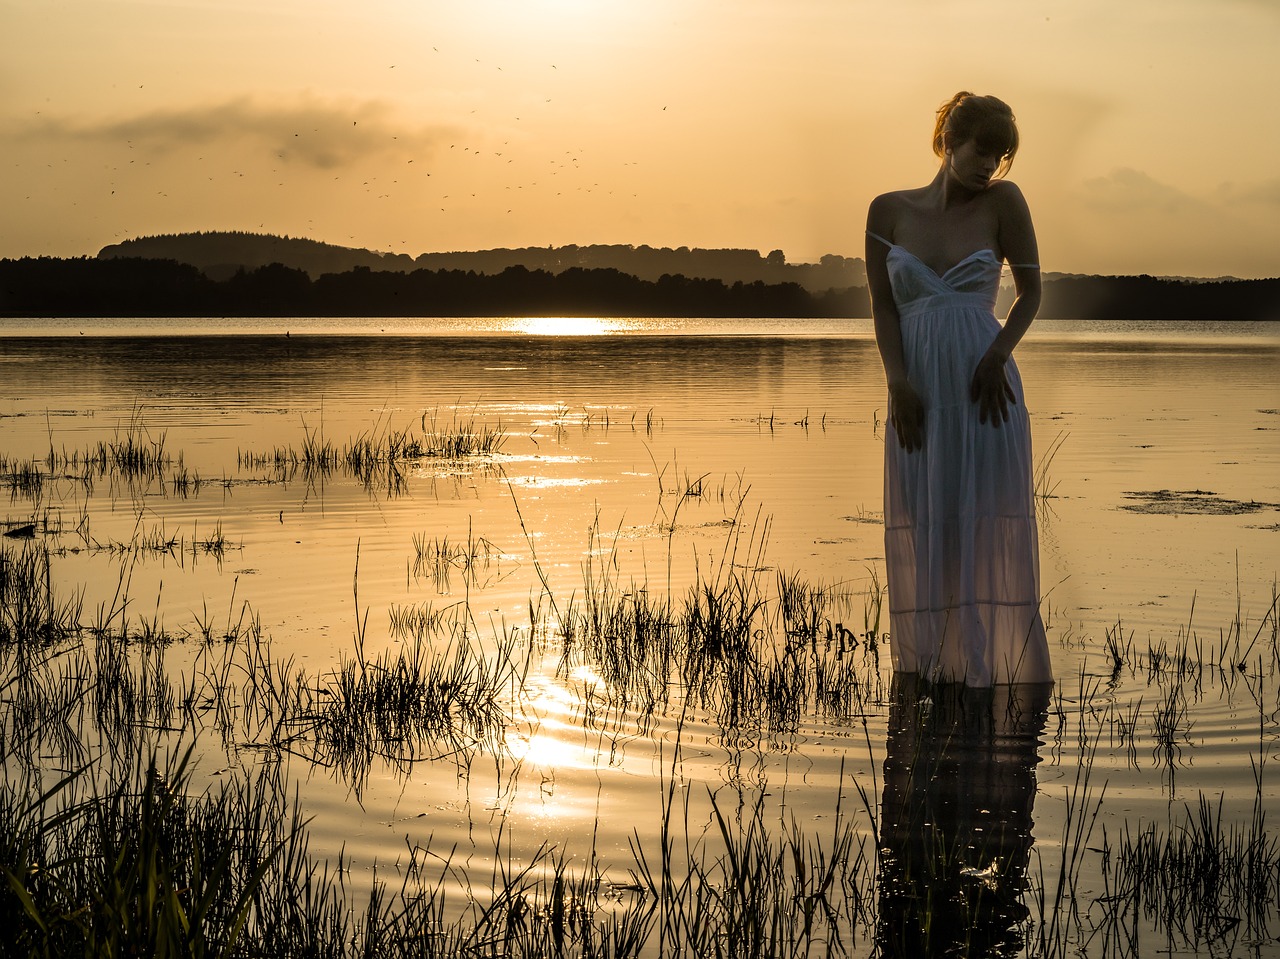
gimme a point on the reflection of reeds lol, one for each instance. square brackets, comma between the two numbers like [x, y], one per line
[1171, 727]
[422, 620]
[752, 887]
[441, 557]
[22, 479]
[1202, 879]
[753, 651]
[30, 612]
[1055, 894]
[410, 704]
[757, 661]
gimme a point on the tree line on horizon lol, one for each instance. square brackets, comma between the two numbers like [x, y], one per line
[219, 254]
[120, 287]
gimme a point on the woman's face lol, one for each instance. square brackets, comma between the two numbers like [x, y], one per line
[970, 167]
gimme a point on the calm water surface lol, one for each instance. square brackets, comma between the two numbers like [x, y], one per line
[664, 450]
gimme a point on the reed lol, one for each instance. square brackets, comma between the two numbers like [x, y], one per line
[423, 620]
[1057, 921]
[30, 612]
[746, 883]
[459, 436]
[379, 457]
[151, 866]
[1044, 486]
[745, 887]
[440, 558]
[756, 660]
[627, 635]
[22, 479]
[213, 544]
[1119, 650]
[1171, 727]
[1202, 880]
[128, 854]
[44, 691]
[411, 705]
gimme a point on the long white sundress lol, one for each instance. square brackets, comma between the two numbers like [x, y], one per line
[961, 550]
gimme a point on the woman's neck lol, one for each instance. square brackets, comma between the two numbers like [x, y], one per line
[947, 192]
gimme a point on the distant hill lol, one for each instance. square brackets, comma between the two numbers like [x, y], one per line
[219, 255]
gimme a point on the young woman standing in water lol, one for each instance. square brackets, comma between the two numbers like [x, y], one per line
[961, 547]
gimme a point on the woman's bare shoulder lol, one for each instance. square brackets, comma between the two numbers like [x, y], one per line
[888, 208]
[896, 199]
[1006, 194]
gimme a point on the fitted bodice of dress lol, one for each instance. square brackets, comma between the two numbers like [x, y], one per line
[973, 281]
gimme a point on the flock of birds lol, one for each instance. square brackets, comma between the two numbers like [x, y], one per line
[455, 174]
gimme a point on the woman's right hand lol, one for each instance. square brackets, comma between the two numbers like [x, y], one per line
[906, 413]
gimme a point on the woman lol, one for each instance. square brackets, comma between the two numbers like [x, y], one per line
[960, 533]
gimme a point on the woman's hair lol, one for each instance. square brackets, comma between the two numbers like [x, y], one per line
[988, 120]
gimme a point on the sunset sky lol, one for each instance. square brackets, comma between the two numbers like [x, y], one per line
[1149, 126]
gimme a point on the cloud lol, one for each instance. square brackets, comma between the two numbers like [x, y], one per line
[1263, 193]
[312, 133]
[1131, 191]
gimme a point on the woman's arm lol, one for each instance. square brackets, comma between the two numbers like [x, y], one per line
[989, 388]
[906, 411]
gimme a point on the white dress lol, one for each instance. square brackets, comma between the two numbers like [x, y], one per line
[961, 551]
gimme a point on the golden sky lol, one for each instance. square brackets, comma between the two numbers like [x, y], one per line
[1150, 133]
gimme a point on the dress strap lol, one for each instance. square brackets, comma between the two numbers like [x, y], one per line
[877, 236]
[1025, 266]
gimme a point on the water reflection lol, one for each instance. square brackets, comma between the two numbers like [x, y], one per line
[566, 325]
[955, 832]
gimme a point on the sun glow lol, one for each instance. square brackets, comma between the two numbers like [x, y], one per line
[565, 325]
[544, 749]
[553, 740]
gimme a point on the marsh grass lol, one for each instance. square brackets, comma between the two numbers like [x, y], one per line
[411, 705]
[22, 479]
[1207, 883]
[459, 436]
[30, 611]
[747, 885]
[757, 660]
[154, 866]
[124, 851]
[1058, 920]
[380, 457]
[423, 620]
[147, 858]
[1043, 484]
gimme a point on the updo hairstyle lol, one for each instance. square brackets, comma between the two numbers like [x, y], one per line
[987, 120]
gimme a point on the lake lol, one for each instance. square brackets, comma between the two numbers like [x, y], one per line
[269, 490]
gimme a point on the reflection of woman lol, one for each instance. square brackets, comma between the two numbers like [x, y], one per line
[955, 830]
[960, 535]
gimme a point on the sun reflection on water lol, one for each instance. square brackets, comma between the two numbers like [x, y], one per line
[552, 739]
[566, 325]
[547, 747]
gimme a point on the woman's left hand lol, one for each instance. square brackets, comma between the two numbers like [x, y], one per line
[991, 390]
